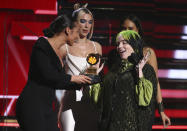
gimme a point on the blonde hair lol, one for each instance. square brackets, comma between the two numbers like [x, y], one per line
[78, 10]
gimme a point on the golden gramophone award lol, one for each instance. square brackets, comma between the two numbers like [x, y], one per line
[93, 59]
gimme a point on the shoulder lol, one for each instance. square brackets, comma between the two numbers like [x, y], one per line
[98, 47]
[40, 42]
[145, 49]
[153, 59]
[153, 54]
[97, 44]
[42, 45]
[63, 51]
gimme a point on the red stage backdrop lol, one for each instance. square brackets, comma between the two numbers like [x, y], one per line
[20, 22]
[165, 29]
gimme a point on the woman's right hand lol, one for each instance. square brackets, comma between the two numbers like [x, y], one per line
[81, 79]
[165, 119]
[142, 63]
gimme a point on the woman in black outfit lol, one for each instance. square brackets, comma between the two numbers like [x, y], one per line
[129, 88]
[34, 109]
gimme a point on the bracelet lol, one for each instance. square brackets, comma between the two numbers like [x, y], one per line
[160, 107]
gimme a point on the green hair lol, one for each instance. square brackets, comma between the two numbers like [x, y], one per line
[127, 34]
[135, 41]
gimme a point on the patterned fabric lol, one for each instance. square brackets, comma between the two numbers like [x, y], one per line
[125, 65]
[120, 110]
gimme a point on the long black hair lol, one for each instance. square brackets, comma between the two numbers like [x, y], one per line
[136, 21]
[58, 25]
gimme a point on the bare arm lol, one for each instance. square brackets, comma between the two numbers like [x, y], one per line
[153, 62]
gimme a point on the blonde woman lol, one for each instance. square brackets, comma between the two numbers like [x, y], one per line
[77, 111]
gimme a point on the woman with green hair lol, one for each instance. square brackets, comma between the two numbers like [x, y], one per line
[129, 91]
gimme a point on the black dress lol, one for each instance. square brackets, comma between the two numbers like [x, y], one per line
[35, 106]
[121, 111]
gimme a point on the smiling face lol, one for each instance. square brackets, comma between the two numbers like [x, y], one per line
[123, 48]
[85, 22]
[129, 25]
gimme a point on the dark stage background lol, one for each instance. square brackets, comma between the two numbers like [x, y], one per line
[165, 27]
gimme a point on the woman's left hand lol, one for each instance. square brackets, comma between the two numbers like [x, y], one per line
[165, 119]
[98, 67]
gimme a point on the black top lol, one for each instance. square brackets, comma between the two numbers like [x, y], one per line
[45, 67]
[45, 75]
[120, 108]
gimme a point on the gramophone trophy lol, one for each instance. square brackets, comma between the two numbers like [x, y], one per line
[93, 59]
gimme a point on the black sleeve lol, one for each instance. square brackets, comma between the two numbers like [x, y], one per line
[48, 74]
[150, 75]
[105, 110]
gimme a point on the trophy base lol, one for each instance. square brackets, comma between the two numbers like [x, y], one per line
[94, 78]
